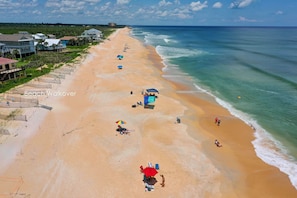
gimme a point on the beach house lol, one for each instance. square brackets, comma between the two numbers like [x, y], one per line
[65, 40]
[39, 37]
[22, 44]
[8, 69]
[92, 34]
[3, 49]
[51, 45]
[111, 24]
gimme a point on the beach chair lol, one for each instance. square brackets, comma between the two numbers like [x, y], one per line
[157, 166]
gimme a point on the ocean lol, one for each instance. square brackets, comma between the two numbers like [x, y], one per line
[251, 71]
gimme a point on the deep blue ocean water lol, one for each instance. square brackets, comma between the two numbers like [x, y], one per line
[251, 71]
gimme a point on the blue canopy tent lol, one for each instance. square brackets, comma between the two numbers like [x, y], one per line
[120, 67]
[149, 99]
[152, 90]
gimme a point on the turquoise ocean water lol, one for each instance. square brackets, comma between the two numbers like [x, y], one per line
[251, 71]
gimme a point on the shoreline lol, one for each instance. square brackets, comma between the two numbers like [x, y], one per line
[249, 136]
[77, 151]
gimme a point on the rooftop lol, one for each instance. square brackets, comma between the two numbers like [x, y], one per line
[4, 61]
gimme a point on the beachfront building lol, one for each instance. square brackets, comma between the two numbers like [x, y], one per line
[111, 24]
[8, 69]
[3, 50]
[18, 44]
[51, 36]
[92, 35]
[65, 40]
[51, 45]
[39, 37]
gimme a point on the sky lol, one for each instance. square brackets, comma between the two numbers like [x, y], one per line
[152, 12]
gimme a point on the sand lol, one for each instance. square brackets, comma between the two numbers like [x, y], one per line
[74, 149]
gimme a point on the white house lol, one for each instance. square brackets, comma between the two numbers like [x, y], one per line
[52, 44]
[39, 37]
[92, 34]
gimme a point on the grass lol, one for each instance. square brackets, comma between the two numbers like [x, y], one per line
[51, 59]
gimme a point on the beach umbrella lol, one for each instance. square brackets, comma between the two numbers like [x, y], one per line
[149, 171]
[119, 122]
[120, 66]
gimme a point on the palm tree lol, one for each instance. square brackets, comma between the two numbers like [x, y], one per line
[45, 44]
[54, 47]
[14, 53]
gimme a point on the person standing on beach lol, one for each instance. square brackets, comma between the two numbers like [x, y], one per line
[219, 122]
[216, 120]
[163, 181]
[218, 143]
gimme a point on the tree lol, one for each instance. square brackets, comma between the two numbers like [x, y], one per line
[14, 53]
[72, 42]
[55, 47]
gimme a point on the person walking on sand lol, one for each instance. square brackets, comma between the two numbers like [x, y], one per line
[219, 122]
[163, 181]
[216, 120]
[218, 143]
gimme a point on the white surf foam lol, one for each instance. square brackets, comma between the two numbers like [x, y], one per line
[174, 52]
[267, 148]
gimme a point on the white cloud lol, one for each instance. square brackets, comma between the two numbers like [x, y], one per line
[117, 12]
[123, 1]
[279, 12]
[72, 6]
[11, 4]
[104, 7]
[36, 12]
[163, 14]
[66, 6]
[177, 2]
[64, 3]
[164, 3]
[182, 13]
[241, 3]
[243, 19]
[217, 5]
[140, 11]
[196, 6]
[92, 2]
